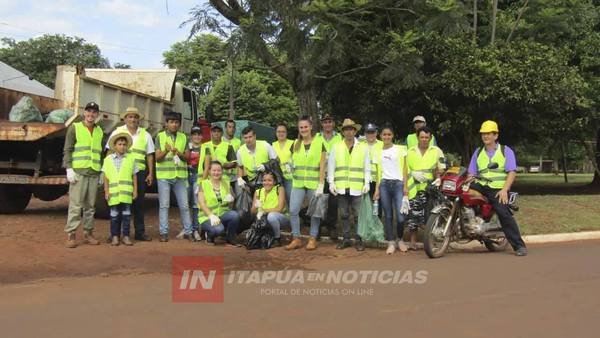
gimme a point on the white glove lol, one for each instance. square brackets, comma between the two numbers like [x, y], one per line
[319, 190]
[260, 214]
[260, 168]
[437, 182]
[366, 188]
[258, 204]
[419, 176]
[101, 179]
[214, 220]
[228, 198]
[241, 182]
[288, 168]
[176, 160]
[405, 208]
[71, 175]
[332, 189]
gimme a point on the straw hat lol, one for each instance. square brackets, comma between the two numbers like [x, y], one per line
[132, 110]
[115, 137]
[350, 123]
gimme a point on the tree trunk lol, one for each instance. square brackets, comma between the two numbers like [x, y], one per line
[231, 114]
[307, 100]
[596, 181]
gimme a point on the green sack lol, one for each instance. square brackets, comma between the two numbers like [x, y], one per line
[59, 116]
[370, 228]
[25, 111]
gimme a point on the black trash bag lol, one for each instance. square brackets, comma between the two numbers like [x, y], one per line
[243, 204]
[260, 235]
[317, 206]
[273, 166]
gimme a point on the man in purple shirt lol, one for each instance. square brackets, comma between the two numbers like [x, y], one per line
[499, 180]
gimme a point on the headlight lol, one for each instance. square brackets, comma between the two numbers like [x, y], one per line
[449, 185]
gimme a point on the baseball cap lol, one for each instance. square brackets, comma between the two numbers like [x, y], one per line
[216, 126]
[419, 118]
[92, 106]
[370, 127]
[196, 130]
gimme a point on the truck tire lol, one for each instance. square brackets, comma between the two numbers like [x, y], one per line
[51, 193]
[102, 209]
[13, 198]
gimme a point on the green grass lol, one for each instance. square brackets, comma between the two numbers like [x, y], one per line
[551, 179]
[558, 213]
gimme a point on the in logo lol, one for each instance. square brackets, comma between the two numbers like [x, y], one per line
[197, 279]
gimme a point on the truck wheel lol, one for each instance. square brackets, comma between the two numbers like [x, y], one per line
[102, 209]
[13, 198]
[48, 194]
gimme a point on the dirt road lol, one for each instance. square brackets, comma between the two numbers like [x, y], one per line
[48, 291]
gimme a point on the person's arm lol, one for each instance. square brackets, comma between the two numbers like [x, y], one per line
[331, 166]
[473, 164]
[271, 151]
[160, 154]
[322, 166]
[405, 174]
[511, 175]
[240, 171]
[106, 191]
[207, 160]
[367, 165]
[439, 168]
[254, 209]
[150, 168]
[135, 186]
[280, 202]
[69, 147]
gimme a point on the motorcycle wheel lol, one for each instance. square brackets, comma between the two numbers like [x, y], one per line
[495, 246]
[434, 243]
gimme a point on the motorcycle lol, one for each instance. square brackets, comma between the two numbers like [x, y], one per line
[460, 214]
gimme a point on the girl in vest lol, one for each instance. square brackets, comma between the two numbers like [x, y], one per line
[270, 200]
[195, 147]
[216, 216]
[283, 149]
[391, 160]
[120, 186]
[308, 167]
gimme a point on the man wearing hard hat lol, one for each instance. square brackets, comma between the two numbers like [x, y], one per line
[500, 180]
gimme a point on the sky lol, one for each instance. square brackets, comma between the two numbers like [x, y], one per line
[134, 32]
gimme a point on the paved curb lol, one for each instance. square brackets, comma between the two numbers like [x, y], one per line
[530, 239]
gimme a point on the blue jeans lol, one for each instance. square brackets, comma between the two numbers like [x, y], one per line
[390, 196]
[296, 200]
[230, 222]
[287, 186]
[192, 197]
[120, 213]
[179, 186]
[276, 220]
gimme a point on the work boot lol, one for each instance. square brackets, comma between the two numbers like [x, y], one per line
[70, 242]
[296, 243]
[88, 238]
[163, 238]
[114, 241]
[522, 251]
[345, 243]
[360, 246]
[126, 241]
[312, 243]
[143, 237]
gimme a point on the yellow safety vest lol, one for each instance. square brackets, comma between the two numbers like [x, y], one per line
[88, 147]
[218, 153]
[375, 156]
[498, 175]
[251, 161]
[235, 143]
[425, 164]
[215, 205]
[120, 183]
[269, 200]
[166, 168]
[307, 164]
[284, 156]
[349, 167]
[138, 149]
[411, 140]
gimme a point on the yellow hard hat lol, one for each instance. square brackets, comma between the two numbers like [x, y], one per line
[489, 126]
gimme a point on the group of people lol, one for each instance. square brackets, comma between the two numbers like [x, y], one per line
[204, 176]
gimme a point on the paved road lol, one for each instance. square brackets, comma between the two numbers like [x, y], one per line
[554, 292]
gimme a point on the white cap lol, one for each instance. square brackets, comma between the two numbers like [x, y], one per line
[419, 118]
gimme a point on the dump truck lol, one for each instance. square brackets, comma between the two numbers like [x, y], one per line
[31, 152]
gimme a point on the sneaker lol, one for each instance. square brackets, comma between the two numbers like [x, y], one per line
[197, 236]
[163, 238]
[126, 241]
[391, 248]
[522, 251]
[402, 246]
[88, 238]
[114, 241]
[70, 242]
[345, 243]
[180, 235]
[143, 237]
[360, 246]
[210, 241]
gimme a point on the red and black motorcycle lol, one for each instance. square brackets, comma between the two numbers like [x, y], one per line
[460, 214]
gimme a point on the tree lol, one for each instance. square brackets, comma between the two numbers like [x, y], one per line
[200, 61]
[38, 57]
[118, 65]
